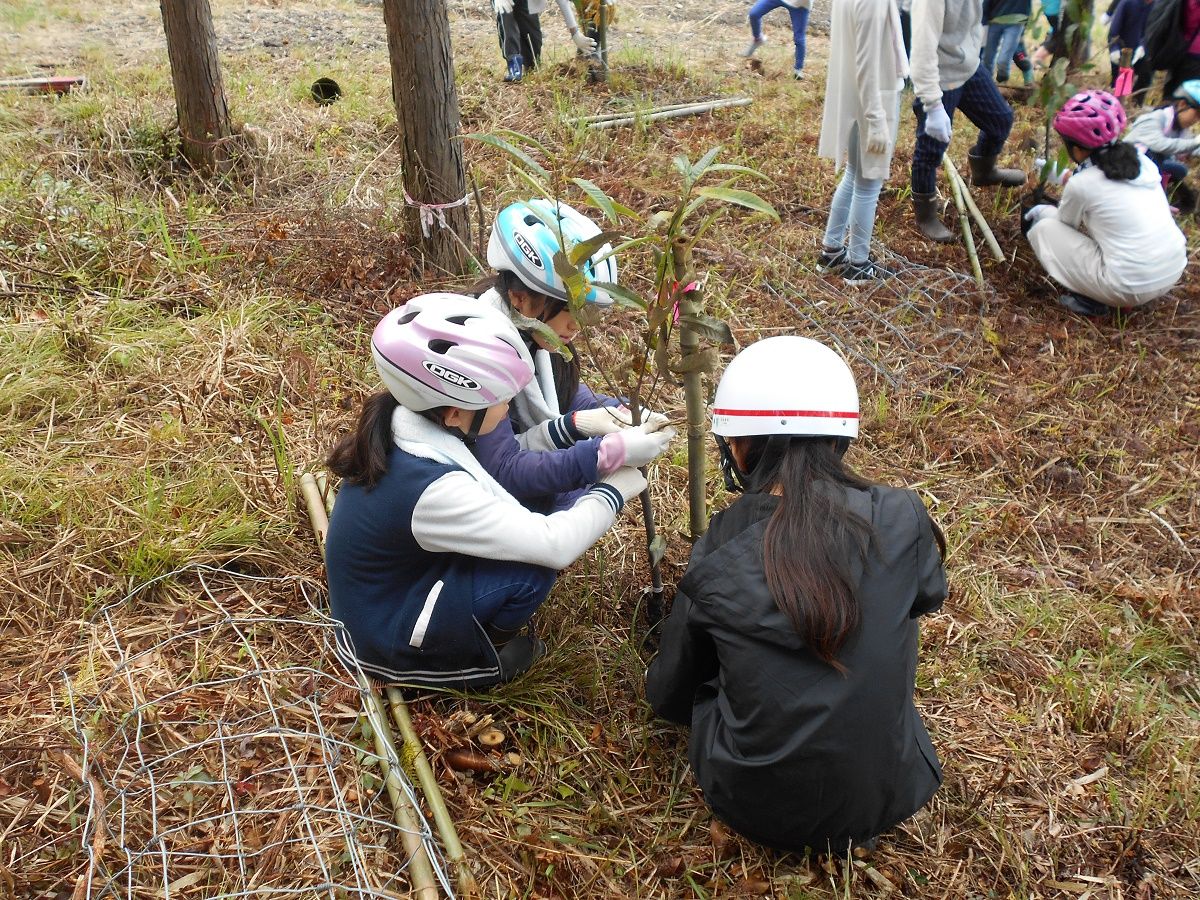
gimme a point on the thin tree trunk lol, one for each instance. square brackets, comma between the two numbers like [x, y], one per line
[691, 305]
[418, 35]
[196, 74]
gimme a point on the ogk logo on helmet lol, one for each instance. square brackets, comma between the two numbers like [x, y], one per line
[528, 251]
[449, 375]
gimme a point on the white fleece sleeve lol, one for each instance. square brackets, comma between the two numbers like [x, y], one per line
[537, 438]
[567, 8]
[1147, 130]
[927, 20]
[869, 32]
[456, 515]
[1071, 205]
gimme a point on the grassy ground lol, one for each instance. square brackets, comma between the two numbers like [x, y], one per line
[175, 350]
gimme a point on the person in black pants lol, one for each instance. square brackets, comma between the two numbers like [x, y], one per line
[519, 29]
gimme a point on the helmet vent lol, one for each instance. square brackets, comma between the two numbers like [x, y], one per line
[408, 317]
[532, 220]
[459, 320]
[440, 346]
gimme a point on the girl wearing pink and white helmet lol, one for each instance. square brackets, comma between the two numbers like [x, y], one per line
[434, 569]
[1111, 241]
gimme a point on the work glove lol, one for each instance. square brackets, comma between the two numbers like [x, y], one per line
[1037, 213]
[502, 7]
[609, 419]
[937, 123]
[582, 41]
[1195, 152]
[877, 138]
[628, 480]
[1115, 57]
[631, 447]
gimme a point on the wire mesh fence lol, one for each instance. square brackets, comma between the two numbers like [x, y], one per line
[217, 730]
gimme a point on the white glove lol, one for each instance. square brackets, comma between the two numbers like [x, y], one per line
[1115, 57]
[628, 480]
[937, 123]
[502, 7]
[582, 41]
[631, 447]
[608, 419]
[1039, 212]
[1195, 152]
[877, 138]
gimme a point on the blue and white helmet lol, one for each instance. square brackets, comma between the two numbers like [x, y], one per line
[522, 242]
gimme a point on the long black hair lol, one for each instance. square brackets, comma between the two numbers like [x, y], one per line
[813, 540]
[565, 371]
[361, 457]
[1118, 160]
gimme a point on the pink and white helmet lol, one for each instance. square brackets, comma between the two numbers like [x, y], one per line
[450, 350]
[1091, 119]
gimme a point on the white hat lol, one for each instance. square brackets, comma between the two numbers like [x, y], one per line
[786, 385]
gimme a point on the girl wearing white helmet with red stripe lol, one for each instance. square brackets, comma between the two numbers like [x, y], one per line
[560, 435]
[791, 647]
[434, 569]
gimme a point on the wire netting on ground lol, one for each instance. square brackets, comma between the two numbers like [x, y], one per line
[217, 729]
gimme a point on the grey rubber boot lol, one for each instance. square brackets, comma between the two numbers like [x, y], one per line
[926, 208]
[984, 172]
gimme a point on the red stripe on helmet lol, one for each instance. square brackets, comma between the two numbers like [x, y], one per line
[787, 413]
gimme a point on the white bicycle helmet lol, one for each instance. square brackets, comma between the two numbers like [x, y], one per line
[786, 385]
[449, 350]
[524, 242]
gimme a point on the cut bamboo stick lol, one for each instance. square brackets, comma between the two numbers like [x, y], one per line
[433, 795]
[625, 114]
[963, 220]
[672, 113]
[977, 215]
[317, 514]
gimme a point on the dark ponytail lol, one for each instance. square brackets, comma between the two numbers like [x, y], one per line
[1118, 161]
[813, 540]
[362, 457]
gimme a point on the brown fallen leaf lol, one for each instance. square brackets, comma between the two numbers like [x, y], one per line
[464, 759]
[669, 866]
[721, 839]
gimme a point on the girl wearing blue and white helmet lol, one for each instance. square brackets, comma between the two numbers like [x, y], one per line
[560, 436]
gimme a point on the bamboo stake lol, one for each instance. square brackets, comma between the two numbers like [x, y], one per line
[964, 221]
[691, 304]
[672, 113]
[433, 794]
[603, 117]
[420, 868]
[602, 41]
[977, 215]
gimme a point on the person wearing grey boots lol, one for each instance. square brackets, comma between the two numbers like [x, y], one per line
[947, 75]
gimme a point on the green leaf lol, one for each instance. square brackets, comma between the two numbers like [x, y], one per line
[524, 323]
[622, 296]
[738, 197]
[704, 162]
[532, 165]
[599, 199]
[520, 138]
[708, 327]
[683, 166]
[740, 170]
[535, 183]
[657, 548]
[585, 250]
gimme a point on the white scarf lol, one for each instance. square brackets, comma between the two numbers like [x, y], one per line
[415, 434]
[538, 402]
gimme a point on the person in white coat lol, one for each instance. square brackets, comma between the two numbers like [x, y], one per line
[867, 67]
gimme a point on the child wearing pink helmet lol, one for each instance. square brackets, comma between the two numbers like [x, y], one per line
[434, 569]
[1111, 241]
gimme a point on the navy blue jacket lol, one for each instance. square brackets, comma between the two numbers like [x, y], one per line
[1128, 24]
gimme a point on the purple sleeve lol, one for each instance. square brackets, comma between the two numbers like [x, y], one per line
[535, 473]
[586, 398]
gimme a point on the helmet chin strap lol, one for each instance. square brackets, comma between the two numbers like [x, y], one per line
[476, 424]
[735, 481]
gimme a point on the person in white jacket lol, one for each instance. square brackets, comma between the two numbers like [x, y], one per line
[947, 75]
[520, 33]
[867, 66]
[1132, 251]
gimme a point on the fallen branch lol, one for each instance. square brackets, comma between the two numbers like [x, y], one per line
[963, 220]
[671, 113]
[977, 215]
[624, 114]
[95, 804]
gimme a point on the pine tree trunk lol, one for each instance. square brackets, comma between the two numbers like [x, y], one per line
[199, 92]
[418, 34]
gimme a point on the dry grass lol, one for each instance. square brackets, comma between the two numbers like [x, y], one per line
[175, 351]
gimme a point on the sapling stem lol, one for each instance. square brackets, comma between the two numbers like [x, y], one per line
[984, 229]
[691, 306]
[963, 220]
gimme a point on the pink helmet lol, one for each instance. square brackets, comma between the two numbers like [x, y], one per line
[1091, 119]
[450, 350]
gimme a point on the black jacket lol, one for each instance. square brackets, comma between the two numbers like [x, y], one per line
[788, 751]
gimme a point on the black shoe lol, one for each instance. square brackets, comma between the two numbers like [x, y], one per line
[1084, 306]
[832, 260]
[870, 272]
[518, 655]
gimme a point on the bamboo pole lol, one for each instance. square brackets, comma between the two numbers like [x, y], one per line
[603, 117]
[433, 794]
[672, 113]
[963, 220]
[602, 41]
[977, 215]
[420, 867]
[691, 304]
